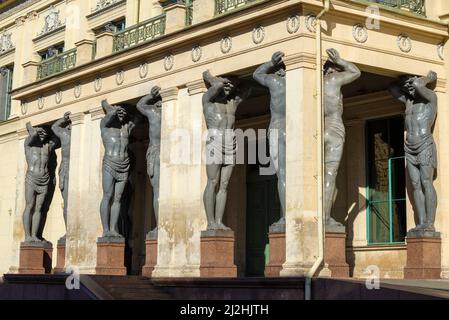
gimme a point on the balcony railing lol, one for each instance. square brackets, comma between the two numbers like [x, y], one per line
[142, 32]
[415, 6]
[223, 6]
[60, 62]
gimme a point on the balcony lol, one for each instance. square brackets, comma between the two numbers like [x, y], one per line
[223, 6]
[60, 62]
[142, 32]
[413, 6]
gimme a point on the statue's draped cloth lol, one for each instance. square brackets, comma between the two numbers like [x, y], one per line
[153, 158]
[422, 153]
[39, 183]
[63, 173]
[117, 169]
[335, 128]
[221, 147]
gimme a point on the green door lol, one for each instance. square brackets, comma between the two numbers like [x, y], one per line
[263, 209]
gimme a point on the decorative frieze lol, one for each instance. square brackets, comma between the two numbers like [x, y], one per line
[5, 42]
[103, 4]
[404, 43]
[52, 21]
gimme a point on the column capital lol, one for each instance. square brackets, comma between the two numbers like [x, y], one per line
[20, 21]
[300, 60]
[22, 133]
[169, 94]
[77, 118]
[32, 15]
[96, 113]
[196, 87]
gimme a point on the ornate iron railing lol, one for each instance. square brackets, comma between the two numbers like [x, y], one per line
[223, 6]
[415, 6]
[60, 62]
[142, 32]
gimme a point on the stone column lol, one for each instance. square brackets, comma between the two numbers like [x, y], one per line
[301, 167]
[76, 22]
[105, 44]
[83, 216]
[132, 12]
[84, 51]
[203, 10]
[18, 231]
[181, 216]
[175, 18]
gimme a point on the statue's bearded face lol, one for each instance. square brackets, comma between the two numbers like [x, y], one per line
[42, 134]
[121, 114]
[280, 72]
[408, 87]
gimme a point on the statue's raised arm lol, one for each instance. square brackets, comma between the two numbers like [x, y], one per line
[111, 114]
[216, 86]
[420, 84]
[148, 102]
[349, 72]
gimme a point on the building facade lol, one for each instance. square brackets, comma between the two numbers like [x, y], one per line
[69, 55]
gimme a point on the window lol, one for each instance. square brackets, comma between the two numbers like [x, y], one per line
[5, 92]
[386, 198]
[52, 51]
[113, 26]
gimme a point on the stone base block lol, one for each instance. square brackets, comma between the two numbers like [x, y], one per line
[111, 257]
[35, 257]
[277, 253]
[60, 257]
[217, 254]
[423, 258]
[335, 254]
[151, 254]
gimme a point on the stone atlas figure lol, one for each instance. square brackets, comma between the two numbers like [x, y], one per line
[62, 129]
[220, 103]
[420, 151]
[39, 147]
[272, 76]
[115, 131]
[337, 73]
[150, 106]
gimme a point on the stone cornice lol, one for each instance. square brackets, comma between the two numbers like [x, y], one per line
[169, 94]
[196, 87]
[106, 9]
[96, 113]
[77, 118]
[189, 35]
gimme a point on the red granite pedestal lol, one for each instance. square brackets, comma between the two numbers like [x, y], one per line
[276, 257]
[60, 256]
[111, 256]
[335, 254]
[35, 257]
[151, 254]
[217, 254]
[423, 256]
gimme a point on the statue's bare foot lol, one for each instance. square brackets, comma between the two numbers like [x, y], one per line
[106, 234]
[28, 239]
[332, 222]
[221, 226]
[115, 234]
[35, 239]
[212, 226]
[429, 227]
[281, 221]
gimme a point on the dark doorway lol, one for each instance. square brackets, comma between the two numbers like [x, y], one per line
[263, 209]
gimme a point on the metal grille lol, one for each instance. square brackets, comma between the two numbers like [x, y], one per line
[139, 33]
[56, 64]
[416, 6]
[223, 6]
